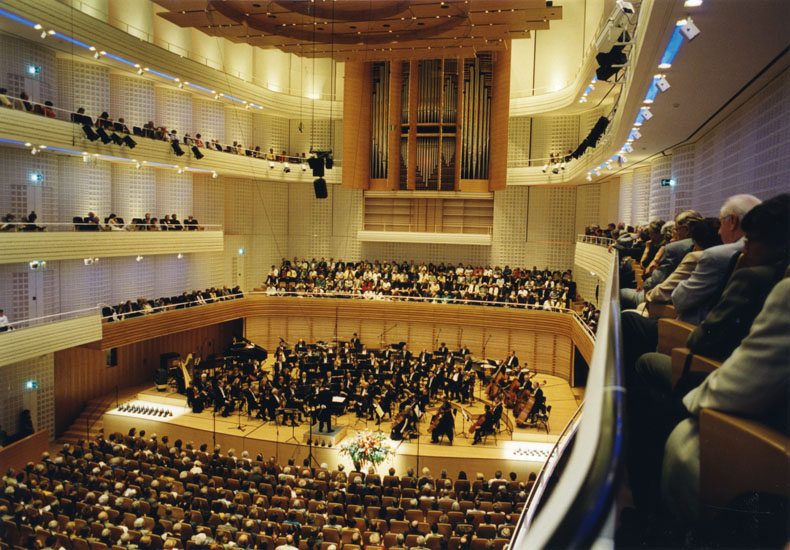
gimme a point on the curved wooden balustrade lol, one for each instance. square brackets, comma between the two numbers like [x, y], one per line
[542, 339]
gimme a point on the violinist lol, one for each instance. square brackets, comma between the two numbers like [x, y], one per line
[540, 403]
[484, 425]
[443, 423]
[454, 384]
[467, 387]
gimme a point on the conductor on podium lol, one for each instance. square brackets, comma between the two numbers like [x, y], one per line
[325, 410]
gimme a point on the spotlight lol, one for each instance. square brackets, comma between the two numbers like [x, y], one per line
[180, 170]
[589, 177]
[180, 256]
[689, 30]
[38, 27]
[85, 158]
[214, 175]
[608, 165]
[622, 160]
[139, 71]
[43, 34]
[137, 164]
[139, 258]
[286, 167]
[663, 84]
[329, 162]
[597, 172]
[304, 167]
[34, 151]
[180, 85]
[646, 114]
[242, 252]
[96, 55]
[636, 134]
[562, 165]
[629, 148]
[317, 165]
[545, 167]
[89, 133]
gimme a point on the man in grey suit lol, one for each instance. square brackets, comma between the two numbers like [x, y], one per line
[673, 254]
[694, 297]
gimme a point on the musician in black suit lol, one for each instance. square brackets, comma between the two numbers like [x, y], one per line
[221, 401]
[446, 424]
[248, 393]
[442, 349]
[464, 351]
[487, 427]
[355, 342]
[512, 361]
[325, 409]
[468, 363]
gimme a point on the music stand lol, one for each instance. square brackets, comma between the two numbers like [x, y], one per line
[293, 424]
[238, 426]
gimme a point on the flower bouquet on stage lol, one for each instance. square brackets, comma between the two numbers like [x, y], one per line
[367, 448]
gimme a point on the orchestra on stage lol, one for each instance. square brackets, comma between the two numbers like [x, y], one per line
[314, 382]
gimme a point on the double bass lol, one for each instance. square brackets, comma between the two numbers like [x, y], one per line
[493, 387]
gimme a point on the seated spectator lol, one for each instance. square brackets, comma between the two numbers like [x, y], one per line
[22, 103]
[199, 140]
[30, 223]
[191, 223]
[8, 223]
[48, 111]
[4, 101]
[91, 222]
[175, 223]
[114, 223]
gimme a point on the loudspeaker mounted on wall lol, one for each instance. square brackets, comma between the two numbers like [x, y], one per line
[320, 188]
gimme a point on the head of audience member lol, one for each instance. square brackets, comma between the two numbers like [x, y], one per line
[684, 223]
[767, 231]
[654, 231]
[706, 234]
[732, 214]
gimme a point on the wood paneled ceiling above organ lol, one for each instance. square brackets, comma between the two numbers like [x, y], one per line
[367, 30]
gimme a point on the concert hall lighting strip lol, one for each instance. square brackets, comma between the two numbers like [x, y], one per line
[140, 69]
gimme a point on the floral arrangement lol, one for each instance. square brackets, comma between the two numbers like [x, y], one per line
[367, 448]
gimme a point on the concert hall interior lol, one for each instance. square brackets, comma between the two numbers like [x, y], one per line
[232, 222]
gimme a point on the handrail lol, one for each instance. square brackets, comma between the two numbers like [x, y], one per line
[592, 239]
[89, 424]
[70, 226]
[578, 506]
[35, 321]
[430, 228]
[65, 115]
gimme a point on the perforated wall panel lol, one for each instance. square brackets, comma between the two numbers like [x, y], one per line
[84, 286]
[132, 279]
[239, 197]
[173, 110]
[271, 132]
[173, 194]
[208, 199]
[84, 188]
[346, 221]
[640, 195]
[553, 135]
[626, 198]
[660, 197]
[518, 136]
[588, 212]
[18, 194]
[270, 242]
[550, 227]
[16, 57]
[683, 173]
[40, 402]
[208, 119]
[132, 99]
[133, 191]
[83, 85]
[238, 126]
[510, 226]
[309, 223]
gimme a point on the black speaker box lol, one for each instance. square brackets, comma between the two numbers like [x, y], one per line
[320, 188]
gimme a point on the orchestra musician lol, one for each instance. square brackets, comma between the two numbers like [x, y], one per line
[540, 403]
[442, 349]
[484, 425]
[325, 409]
[355, 342]
[443, 423]
[512, 361]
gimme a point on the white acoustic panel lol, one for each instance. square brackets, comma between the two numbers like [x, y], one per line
[16, 56]
[133, 191]
[132, 279]
[588, 213]
[640, 195]
[173, 194]
[239, 197]
[683, 162]
[14, 291]
[310, 223]
[271, 132]
[84, 286]
[626, 198]
[173, 110]
[171, 274]
[518, 141]
[661, 197]
[83, 85]
[208, 119]
[208, 199]
[84, 188]
[238, 126]
[555, 135]
[19, 194]
[17, 397]
[270, 241]
[132, 99]
[510, 226]
[22, 344]
[346, 221]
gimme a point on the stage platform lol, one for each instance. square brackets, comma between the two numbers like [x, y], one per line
[523, 451]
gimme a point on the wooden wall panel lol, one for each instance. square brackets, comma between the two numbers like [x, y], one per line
[19, 453]
[500, 115]
[82, 374]
[357, 88]
[421, 337]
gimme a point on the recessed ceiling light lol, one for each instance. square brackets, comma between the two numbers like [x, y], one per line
[692, 3]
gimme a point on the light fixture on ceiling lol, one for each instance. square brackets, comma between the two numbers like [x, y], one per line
[692, 3]
[636, 134]
[628, 148]
[663, 84]
[646, 114]
[689, 29]
[139, 258]
[589, 176]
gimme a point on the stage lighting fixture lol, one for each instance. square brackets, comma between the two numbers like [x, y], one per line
[139, 71]
[317, 165]
[105, 139]
[137, 164]
[34, 151]
[636, 134]
[689, 30]
[646, 114]
[304, 167]
[608, 165]
[286, 168]
[89, 133]
[319, 185]
[629, 148]
[545, 167]
[612, 61]
[663, 84]
[139, 258]
[329, 162]
[589, 177]
[214, 175]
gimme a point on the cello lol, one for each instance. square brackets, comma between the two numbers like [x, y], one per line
[479, 422]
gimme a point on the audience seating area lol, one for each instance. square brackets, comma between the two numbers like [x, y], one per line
[134, 491]
[141, 306]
